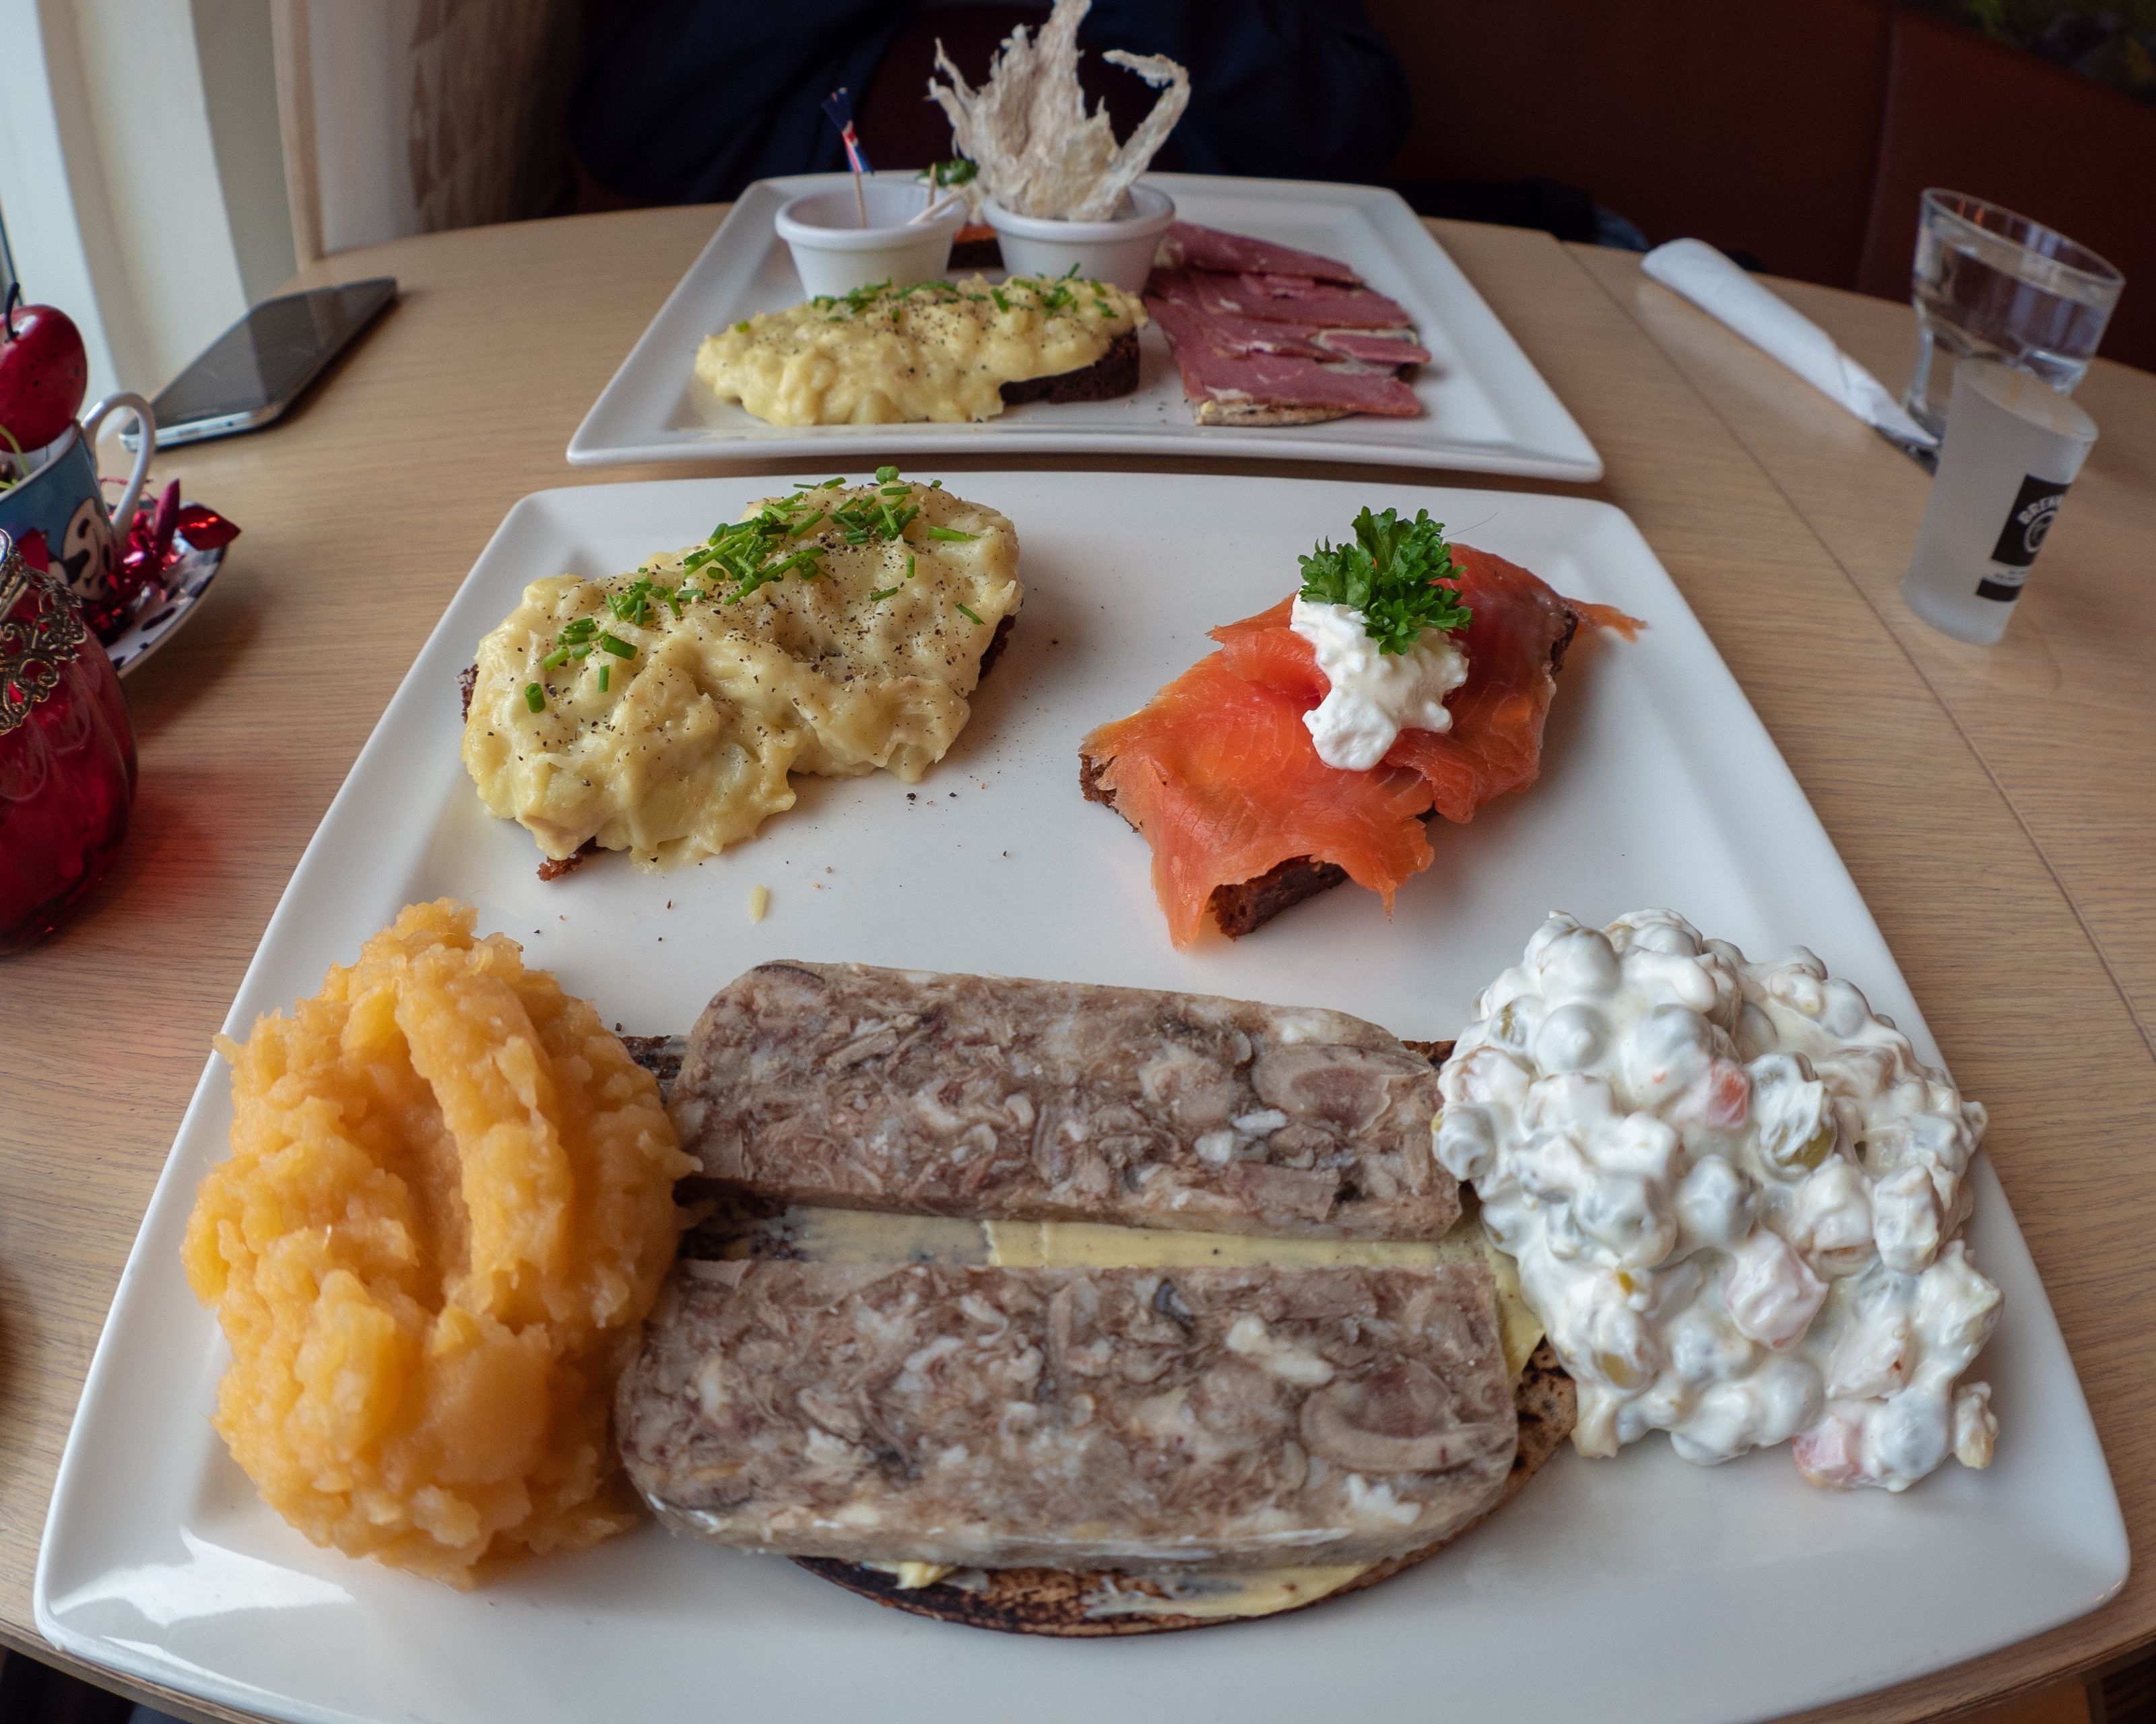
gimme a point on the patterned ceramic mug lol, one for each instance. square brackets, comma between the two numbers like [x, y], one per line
[58, 515]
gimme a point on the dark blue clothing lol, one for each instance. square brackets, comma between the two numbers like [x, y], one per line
[685, 101]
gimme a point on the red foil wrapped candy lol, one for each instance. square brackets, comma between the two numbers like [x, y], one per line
[150, 555]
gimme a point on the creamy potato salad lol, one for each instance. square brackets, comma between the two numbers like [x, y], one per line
[1733, 1191]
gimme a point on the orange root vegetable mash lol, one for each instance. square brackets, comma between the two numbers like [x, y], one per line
[448, 1206]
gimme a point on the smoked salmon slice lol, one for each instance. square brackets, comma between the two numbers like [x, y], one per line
[1221, 777]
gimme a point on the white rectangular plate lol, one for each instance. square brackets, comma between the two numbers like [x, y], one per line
[1634, 1589]
[1485, 408]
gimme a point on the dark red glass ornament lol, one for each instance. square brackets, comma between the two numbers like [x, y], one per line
[67, 755]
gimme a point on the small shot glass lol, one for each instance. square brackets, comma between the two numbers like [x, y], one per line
[2013, 446]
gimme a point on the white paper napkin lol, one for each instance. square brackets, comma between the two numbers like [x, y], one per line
[1703, 275]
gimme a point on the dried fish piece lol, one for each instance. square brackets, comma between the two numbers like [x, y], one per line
[1040, 152]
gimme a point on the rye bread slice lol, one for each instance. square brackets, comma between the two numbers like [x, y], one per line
[1247, 905]
[1114, 373]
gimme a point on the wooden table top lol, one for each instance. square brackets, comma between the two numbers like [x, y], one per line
[1971, 791]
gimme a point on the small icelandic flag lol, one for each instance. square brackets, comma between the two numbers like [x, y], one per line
[841, 108]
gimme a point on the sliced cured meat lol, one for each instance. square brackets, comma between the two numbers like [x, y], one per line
[1247, 296]
[1379, 349]
[1213, 378]
[1215, 771]
[1295, 298]
[1187, 246]
[1231, 333]
[1220, 776]
[1177, 287]
[1319, 306]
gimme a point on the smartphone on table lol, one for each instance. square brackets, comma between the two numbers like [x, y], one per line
[260, 367]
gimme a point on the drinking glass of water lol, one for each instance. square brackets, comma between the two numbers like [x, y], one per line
[1991, 284]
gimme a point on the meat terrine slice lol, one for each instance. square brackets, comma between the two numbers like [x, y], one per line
[1006, 1100]
[1131, 1418]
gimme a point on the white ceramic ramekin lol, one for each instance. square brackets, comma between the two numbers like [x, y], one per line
[834, 253]
[1118, 250]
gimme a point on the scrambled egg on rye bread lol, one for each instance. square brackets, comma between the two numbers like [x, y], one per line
[836, 631]
[937, 350]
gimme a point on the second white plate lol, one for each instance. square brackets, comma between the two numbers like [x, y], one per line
[1485, 408]
[1638, 1590]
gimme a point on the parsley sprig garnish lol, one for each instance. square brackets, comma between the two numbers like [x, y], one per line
[1399, 574]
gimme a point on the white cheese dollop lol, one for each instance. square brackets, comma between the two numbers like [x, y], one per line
[1374, 696]
[1733, 1192]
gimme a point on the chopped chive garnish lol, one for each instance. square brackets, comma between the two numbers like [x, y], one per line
[880, 594]
[558, 657]
[742, 328]
[633, 604]
[749, 552]
[966, 611]
[619, 649]
[950, 532]
[885, 474]
[604, 673]
[535, 697]
[996, 294]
